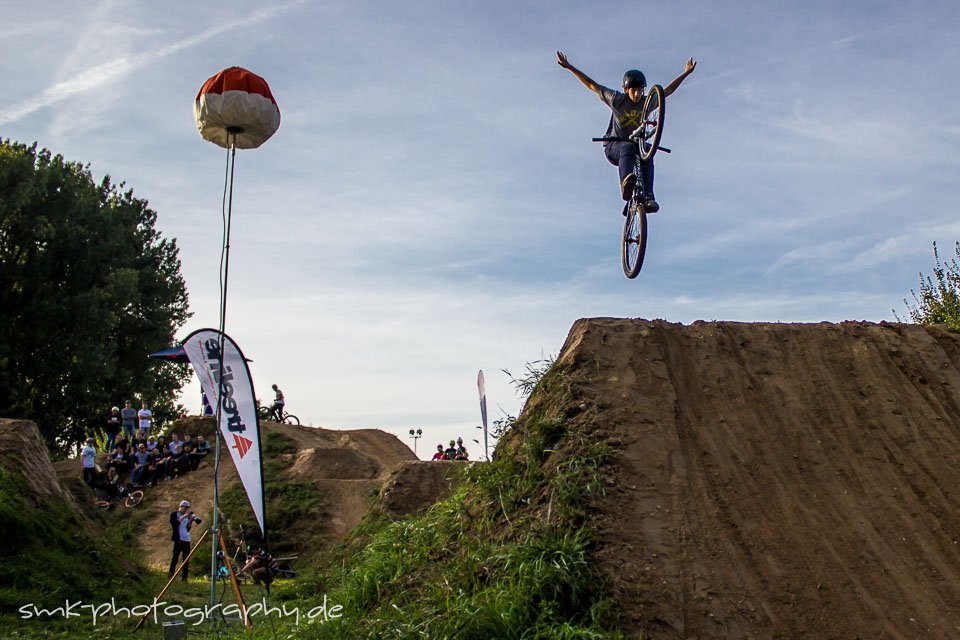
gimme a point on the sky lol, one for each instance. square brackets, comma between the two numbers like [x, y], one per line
[432, 205]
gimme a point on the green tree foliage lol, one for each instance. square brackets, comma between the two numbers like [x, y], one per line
[88, 288]
[938, 301]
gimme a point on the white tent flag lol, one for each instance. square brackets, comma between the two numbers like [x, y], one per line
[482, 387]
[237, 408]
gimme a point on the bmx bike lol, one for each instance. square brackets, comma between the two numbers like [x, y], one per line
[131, 497]
[267, 413]
[647, 137]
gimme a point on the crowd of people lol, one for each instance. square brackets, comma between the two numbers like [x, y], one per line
[135, 455]
[455, 451]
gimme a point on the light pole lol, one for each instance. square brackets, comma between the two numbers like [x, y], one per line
[415, 435]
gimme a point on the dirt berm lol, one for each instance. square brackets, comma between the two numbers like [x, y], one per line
[776, 480]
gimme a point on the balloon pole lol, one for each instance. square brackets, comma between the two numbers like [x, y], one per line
[224, 276]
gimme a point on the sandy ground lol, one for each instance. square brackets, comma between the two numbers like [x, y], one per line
[777, 480]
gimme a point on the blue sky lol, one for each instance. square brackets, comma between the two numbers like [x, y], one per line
[432, 204]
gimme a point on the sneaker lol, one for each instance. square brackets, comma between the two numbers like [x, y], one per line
[650, 205]
[628, 185]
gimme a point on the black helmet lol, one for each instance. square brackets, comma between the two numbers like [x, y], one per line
[634, 78]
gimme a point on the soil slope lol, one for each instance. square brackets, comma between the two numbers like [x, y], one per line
[776, 480]
[350, 468]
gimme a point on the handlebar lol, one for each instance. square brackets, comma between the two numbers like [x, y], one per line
[616, 139]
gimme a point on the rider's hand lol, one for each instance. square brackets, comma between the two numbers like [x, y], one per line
[690, 66]
[562, 60]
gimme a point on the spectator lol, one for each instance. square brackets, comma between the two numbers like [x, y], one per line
[180, 522]
[114, 423]
[262, 567]
[128, 415]
[145, 416]
[439, 455]
[151, 443]
[141, 471]
[451, 451]
[461, 450]
[118, 461]
[202, 448]
[88, 462]
[173, 443]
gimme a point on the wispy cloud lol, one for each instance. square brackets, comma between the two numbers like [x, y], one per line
[102, 74]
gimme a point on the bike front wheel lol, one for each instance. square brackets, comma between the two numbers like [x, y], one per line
[634, 245]
[653, 110]
[133, 499]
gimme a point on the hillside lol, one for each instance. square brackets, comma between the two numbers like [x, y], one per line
[344, 471]
[775, 480]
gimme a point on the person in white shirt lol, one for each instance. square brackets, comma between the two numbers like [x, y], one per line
[145, 416]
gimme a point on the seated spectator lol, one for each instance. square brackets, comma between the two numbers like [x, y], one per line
[189, 460]
[202, 448]
[118, 461]
[439, 455]
[155, 468]
[141, 470]
[461, 450]
[177, 462]
[173, 442]
[151, 443]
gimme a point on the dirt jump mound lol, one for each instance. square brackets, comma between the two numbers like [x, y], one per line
[776, 480]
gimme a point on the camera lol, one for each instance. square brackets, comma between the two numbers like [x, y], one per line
[194, 517]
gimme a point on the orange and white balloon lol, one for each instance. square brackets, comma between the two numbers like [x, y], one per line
[235, 107]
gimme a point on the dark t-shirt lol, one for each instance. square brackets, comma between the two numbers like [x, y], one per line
[627, 115]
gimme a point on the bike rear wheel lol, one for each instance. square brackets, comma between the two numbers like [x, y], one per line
[634, 245]
[289, 418]
[653, 111]
[133, 499]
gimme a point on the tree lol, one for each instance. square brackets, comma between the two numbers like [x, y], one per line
[938, 301]
[88, 288]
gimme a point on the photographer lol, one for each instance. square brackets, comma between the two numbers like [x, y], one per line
[180, 521]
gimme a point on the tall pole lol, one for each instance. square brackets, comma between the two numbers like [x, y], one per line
[224, 276]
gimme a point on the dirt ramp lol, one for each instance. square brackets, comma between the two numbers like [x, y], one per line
[23, 451]
[416, 486]
[777, 481]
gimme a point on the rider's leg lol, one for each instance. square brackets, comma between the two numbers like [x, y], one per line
[624, 155]
[646, 171]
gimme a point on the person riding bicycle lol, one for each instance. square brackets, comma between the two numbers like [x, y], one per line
[278, 402]
[627, 108]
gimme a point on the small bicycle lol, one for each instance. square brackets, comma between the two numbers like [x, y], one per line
[131, 497]
[267, 413]
[647, 136]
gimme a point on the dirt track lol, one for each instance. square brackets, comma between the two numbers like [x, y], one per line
[777, 481]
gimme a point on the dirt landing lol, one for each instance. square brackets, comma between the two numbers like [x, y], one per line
[777, 481]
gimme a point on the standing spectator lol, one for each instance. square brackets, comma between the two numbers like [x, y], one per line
[451, 451]
[180, 522]
[88, 461]
[145, 416]
[439, 455]
[114, 423]
[207, 409]
[129, 417]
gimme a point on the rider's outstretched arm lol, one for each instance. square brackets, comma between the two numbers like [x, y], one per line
[580, 75]
[687, 70]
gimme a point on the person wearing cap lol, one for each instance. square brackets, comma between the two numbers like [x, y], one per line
[88, 461]
[180, 522]
[128, 415]
[626, 116]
